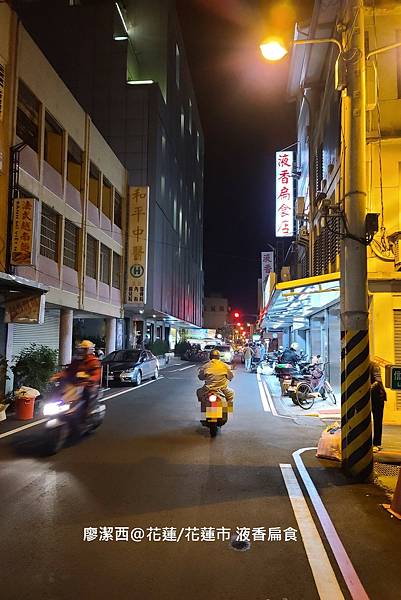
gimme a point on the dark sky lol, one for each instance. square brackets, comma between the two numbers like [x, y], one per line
[245, 118]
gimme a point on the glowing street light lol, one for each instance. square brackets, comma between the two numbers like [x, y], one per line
[273, 50]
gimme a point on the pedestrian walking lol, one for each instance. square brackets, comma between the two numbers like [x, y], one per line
[248, 357]
[378, 397]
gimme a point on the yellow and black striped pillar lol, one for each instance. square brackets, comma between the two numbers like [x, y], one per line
[356, 424]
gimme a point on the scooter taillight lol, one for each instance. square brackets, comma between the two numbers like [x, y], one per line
[212, 397]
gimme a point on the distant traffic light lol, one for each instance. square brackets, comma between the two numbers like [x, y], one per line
[236, 315]
[238, 324]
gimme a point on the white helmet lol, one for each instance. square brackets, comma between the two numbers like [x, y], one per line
[295, 346]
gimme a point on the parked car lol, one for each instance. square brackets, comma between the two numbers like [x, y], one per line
[129, 366]
[226, 353]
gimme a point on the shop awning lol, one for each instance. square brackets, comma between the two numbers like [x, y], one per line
[293, 302]
[13, 287]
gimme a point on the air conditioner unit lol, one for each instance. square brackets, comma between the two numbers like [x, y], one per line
[300, 207]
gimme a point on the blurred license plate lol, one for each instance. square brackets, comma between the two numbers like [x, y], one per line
[215, 412]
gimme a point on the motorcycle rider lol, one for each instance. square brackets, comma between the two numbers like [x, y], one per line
[85, 367]
[216, 374]
[290, 355]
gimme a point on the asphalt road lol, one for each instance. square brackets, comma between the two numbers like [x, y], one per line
[152, 465]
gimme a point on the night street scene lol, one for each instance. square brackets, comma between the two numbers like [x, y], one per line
[200, 299]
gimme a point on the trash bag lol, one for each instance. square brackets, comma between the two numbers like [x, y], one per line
[26, 392]
[329, 445]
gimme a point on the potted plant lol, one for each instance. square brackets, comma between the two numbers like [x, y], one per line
[33, 366]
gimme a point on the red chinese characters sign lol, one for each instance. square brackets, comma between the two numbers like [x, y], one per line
[22, 243]
[284, 194]
[138, 218]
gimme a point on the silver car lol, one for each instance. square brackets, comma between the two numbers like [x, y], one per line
[130, 366]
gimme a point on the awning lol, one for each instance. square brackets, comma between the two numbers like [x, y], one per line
[293, 302]
[13, 287]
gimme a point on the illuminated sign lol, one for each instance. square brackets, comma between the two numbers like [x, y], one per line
[137, 252]
[284, 194]
[22, 242]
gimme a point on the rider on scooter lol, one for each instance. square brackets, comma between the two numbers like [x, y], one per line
[216, 374]
[84, 367]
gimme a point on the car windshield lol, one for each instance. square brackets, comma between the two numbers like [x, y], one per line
[123, 356]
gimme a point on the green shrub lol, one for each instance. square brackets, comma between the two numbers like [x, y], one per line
[181, 348]
[159, 347]
[34, 365]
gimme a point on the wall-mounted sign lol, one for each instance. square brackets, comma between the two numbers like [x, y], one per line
[267, 265]
[284, 194]
[137, 252]
[25, 310]
[23, 238]
[393, 377]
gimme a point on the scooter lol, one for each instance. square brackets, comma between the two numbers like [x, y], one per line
[215, 409]
[66, 408]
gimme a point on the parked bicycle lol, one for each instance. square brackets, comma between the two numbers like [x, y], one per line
[311, 387]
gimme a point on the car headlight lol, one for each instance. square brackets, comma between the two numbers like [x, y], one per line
[55, 408]
[128, 372]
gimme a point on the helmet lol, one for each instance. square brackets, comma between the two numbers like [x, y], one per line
[86, 344]
[214, 354]
[295, 346]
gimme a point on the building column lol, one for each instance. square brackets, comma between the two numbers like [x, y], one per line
[111, 325]
[65, 340]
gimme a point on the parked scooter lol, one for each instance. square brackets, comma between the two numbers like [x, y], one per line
[68, 414]
[215, 409]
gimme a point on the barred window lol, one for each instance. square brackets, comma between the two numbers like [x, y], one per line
[105, 257]
[28, 116]
[49, 233]
[91, 257]
[118, 207]
[71, 240]
[116, 271]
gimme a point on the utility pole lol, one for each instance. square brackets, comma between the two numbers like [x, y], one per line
[355, 362]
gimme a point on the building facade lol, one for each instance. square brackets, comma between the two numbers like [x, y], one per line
[134, 81]
[309, 304]
[215, 312]
[78, 189]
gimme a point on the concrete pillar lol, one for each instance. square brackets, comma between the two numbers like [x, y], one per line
[111, 324]
[65, 339]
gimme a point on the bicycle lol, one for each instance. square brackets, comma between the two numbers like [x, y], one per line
[306, 394]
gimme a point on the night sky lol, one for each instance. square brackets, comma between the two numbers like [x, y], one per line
[245, 118]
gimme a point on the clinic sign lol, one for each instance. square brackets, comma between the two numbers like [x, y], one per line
[284, 194]
[138, 233]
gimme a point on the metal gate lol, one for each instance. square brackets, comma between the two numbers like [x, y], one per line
[46, 334]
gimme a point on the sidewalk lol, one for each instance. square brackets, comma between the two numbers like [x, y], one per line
[13, 423]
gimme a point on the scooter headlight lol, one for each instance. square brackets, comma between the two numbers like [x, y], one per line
[55, 408]
[212, 398]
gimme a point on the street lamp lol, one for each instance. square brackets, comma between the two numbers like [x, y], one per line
[356, 431]
[273, 50]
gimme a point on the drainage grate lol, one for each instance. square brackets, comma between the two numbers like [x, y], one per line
[239, 545]
[385, 470]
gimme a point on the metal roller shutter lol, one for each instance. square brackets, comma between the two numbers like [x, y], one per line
[397, 349]
[46, 334]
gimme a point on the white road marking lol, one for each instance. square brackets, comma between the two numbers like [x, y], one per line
[12, 431]
[270, 399]
[183, 368]
[263, 398]
[349, 574]
[323, 574]
[40, 421]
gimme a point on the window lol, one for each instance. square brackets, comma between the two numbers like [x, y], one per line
[71, 240]
[53, 143]
[117, 210]
[177, 65]
[213, 309]
[74, 164]
[49, 233]
[116, 271]
[28, 116]
[91, 257]
[105, 253]
[106, 198]
[94, 186]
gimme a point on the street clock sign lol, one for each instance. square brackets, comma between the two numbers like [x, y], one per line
[137, 251]
[284, 194]
[393, 377]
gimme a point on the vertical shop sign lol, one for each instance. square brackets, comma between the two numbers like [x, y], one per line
[23, 238]
[138, 227]
[284, 194]
[267, 266]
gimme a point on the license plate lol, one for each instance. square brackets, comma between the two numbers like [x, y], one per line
[214, 412]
